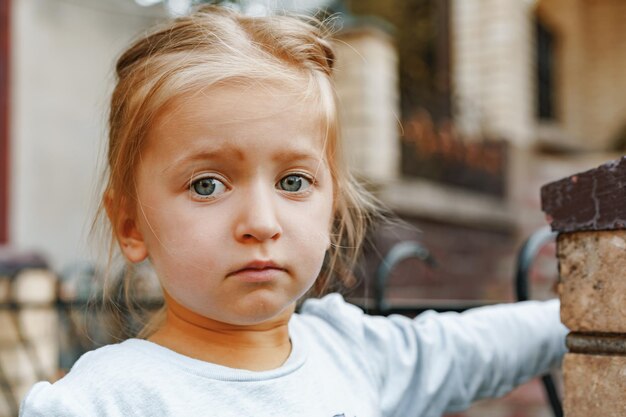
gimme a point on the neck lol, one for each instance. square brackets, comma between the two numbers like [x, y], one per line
[254, 347]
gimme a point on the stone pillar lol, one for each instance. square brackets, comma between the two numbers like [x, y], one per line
[589, 212]
[366, 79]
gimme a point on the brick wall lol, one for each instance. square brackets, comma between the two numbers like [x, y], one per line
[492, 73]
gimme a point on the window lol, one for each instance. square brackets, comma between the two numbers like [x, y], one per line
[545, 71]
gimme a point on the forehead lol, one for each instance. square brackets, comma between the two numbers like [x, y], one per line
[241, 113]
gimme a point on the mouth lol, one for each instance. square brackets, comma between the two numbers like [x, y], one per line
[258, 271]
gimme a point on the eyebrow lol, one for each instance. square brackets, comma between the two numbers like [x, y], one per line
[219, 152]
[207, 155]
[297, 154]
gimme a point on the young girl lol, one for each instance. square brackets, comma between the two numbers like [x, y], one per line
[224, 174]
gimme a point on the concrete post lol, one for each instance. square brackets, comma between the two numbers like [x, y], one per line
[366, 79]
[589, 212]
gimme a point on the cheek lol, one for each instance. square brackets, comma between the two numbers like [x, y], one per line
[312, 231]
[155, 227]
[319, 216]
[166, 236]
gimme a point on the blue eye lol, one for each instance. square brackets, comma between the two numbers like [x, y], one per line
[207, 187]
[294, 183]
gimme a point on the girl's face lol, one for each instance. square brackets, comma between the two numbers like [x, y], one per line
[235, 201]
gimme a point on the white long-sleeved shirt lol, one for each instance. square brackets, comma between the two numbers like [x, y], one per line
[343, 364]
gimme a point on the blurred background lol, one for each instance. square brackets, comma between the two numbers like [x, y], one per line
[454, 112]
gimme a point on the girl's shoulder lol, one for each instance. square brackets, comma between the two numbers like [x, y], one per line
[330, 307]
[97, 375]
[111, 362]
[335, 326]
[332, 315]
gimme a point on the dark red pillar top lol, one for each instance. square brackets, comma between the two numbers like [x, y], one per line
[591, 200]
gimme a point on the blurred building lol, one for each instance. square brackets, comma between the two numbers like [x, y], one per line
[59, 60]
[490, 100]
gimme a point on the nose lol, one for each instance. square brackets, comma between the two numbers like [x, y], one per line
[258, 216]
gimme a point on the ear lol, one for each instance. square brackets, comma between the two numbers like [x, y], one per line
[124, 222]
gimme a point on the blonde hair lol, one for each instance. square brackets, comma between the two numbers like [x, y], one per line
[213, 45]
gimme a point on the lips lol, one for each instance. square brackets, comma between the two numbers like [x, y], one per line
[258, 271]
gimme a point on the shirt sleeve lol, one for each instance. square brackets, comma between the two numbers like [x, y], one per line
[439, 363]
[43, 400]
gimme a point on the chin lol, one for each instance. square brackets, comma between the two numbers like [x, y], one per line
[262, 311]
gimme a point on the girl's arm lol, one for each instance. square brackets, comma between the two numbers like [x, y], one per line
[440, 363]
[444, 362]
